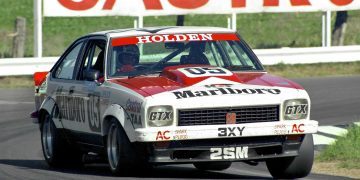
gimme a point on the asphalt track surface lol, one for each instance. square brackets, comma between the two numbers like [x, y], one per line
[335, 100]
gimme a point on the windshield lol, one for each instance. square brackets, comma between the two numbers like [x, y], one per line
[132, 56]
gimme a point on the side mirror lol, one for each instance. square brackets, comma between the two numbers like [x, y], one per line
[91, 75]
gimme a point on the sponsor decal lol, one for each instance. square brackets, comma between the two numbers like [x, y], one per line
[205, 71]
[240, 152]
[218, 85]
[297, 109]
[80, 109]
[230, 131]
[135, 118]
[133, 106]
[223, 91]
[231, 118]
[162, 135]
[180, 134]
[297, 128]
[280, 129]
[172, 38]
[71, 109]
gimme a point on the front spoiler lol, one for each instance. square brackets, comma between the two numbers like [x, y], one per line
[293, 127]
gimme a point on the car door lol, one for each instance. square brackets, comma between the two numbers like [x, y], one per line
[89, 95]
[62, 84]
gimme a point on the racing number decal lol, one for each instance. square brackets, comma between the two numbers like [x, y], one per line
[93, 112]
[205, 71]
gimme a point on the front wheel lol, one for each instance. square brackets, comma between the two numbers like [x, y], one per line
[294, 167]
[118, 148]
[214, 166]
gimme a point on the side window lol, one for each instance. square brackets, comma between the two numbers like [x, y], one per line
[66, 69]
[94, 58]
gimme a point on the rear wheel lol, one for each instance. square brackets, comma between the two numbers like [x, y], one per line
[214, 166]
[294, 167]
[57, 152]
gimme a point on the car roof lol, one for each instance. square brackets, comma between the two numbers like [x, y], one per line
[162, 30]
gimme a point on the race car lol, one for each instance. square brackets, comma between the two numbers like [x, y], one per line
[171, 95]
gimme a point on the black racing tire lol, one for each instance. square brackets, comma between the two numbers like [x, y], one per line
[57, 152]
[119, 150]
[212, 166]
[294, 167]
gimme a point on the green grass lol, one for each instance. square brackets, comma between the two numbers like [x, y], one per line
[269, 30]
[16, 82]
[315, 70]
[345, 150]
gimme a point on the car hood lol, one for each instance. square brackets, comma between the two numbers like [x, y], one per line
[173, 78]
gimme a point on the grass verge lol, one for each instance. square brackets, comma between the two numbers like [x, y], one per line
[314, 70]
[16, 82]
[345, 151]
[341, 158]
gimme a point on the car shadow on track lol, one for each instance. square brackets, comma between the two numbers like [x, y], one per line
[103, 170]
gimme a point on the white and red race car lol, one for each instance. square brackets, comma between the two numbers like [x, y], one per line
[167, 95]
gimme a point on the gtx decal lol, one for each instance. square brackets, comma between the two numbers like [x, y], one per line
[205, 71]
[240, 152]
[167, 115]
[297, 109]
[230, 131]
[223, 91]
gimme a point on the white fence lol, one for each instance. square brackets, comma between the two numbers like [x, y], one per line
[27, 66]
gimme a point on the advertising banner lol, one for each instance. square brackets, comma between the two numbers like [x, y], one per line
[178, 7]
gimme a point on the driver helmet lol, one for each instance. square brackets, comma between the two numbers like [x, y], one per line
[128, 55]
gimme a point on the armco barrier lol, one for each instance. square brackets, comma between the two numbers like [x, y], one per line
[27, 66]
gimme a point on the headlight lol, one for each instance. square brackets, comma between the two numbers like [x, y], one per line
[296, 109]
[160, 116]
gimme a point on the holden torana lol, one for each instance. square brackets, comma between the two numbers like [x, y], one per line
[167, 95]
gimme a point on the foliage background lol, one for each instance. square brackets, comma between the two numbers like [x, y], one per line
[270, 30]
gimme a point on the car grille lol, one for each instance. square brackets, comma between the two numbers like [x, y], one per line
[211, 116]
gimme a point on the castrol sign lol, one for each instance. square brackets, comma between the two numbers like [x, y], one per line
[176, 7]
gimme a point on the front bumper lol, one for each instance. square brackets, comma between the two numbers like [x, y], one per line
[156, 134]
[231, 149]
